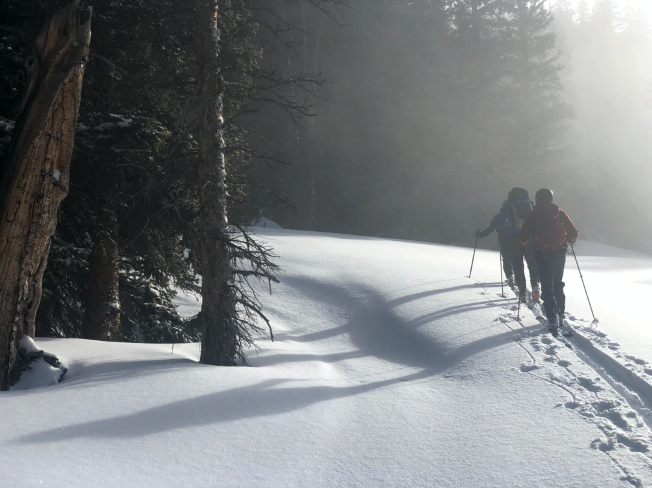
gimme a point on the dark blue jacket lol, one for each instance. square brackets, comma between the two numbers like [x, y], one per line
[506, 220]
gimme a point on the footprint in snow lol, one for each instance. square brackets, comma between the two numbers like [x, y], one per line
[634, 445]
[526, 368]
[640, 362]
[551, 351]
[590, 384]
[648, 371]
[604, 445]
[546, 340]
[564, 363]
[616, 418]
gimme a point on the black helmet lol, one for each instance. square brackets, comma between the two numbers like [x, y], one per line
[517, 195]
[544, 195]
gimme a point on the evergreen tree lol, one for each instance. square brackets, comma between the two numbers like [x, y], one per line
[535, 113]
[128, 225]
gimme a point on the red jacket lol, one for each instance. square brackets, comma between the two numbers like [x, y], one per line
[553, 237]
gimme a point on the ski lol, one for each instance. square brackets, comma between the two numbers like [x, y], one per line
[559, 336]
[535, 309]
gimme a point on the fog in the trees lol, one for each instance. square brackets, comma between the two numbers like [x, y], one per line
[434, 110]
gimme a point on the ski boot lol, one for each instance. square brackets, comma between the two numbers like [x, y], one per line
[564, 328]
[535, 294]
[510, 281]
[553, 326]
[566, 331]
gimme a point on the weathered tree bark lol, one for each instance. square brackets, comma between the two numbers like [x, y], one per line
[103, 306]
[36, 175]
[219, 344]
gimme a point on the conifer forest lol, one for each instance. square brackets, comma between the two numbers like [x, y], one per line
[141, 140]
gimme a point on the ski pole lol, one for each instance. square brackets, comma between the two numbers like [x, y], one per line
[595, 321]
[521, 282]
[474, 248]
[500, 255]
[518, 297]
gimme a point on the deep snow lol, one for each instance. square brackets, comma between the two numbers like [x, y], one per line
[390, 368]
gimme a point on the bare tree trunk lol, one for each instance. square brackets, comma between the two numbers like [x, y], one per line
[37, 175]
[103, 319]
[311, 63]
[219, 339]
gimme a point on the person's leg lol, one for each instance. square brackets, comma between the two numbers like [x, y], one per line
[506, 251]
[559, 260]
[547, 291]
[517, 264]
[531, 265]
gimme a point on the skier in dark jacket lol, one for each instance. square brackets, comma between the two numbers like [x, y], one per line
[552, 228]
[505, 248]
[509, 222]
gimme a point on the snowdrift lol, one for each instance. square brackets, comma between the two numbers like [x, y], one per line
[390, 368]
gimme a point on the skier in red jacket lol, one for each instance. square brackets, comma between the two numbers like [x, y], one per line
[551, 227]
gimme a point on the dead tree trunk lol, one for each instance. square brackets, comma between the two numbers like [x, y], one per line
[219, 344]
[37, 175]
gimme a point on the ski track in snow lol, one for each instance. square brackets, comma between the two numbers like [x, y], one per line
[612, 395]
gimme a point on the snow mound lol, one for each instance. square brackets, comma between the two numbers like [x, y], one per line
[265, 222]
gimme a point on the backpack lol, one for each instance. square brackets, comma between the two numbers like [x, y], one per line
[550, 233]
[521, 205]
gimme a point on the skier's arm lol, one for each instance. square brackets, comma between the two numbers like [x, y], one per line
[503, 216]
[491, 228]
[571, 231]
[526, 230]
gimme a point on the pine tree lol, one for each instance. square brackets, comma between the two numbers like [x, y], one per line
[127, 230]
[583, 12]
[534, 113]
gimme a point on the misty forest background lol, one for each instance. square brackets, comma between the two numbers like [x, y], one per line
[388, 118]
[433, 113]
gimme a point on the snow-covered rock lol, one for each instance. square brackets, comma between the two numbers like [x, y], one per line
[38, 368]
[265, 222]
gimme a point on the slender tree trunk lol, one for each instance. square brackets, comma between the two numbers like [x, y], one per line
[103, 319]
[37, 175]
[311, 62]
[219, 339]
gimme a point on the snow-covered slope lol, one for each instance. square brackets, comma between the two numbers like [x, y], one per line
[390, 368]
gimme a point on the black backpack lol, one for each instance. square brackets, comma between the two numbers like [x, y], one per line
[519, 200]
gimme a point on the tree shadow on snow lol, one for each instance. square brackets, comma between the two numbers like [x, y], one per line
[81, 376]
[373, 328]
[264, 399]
